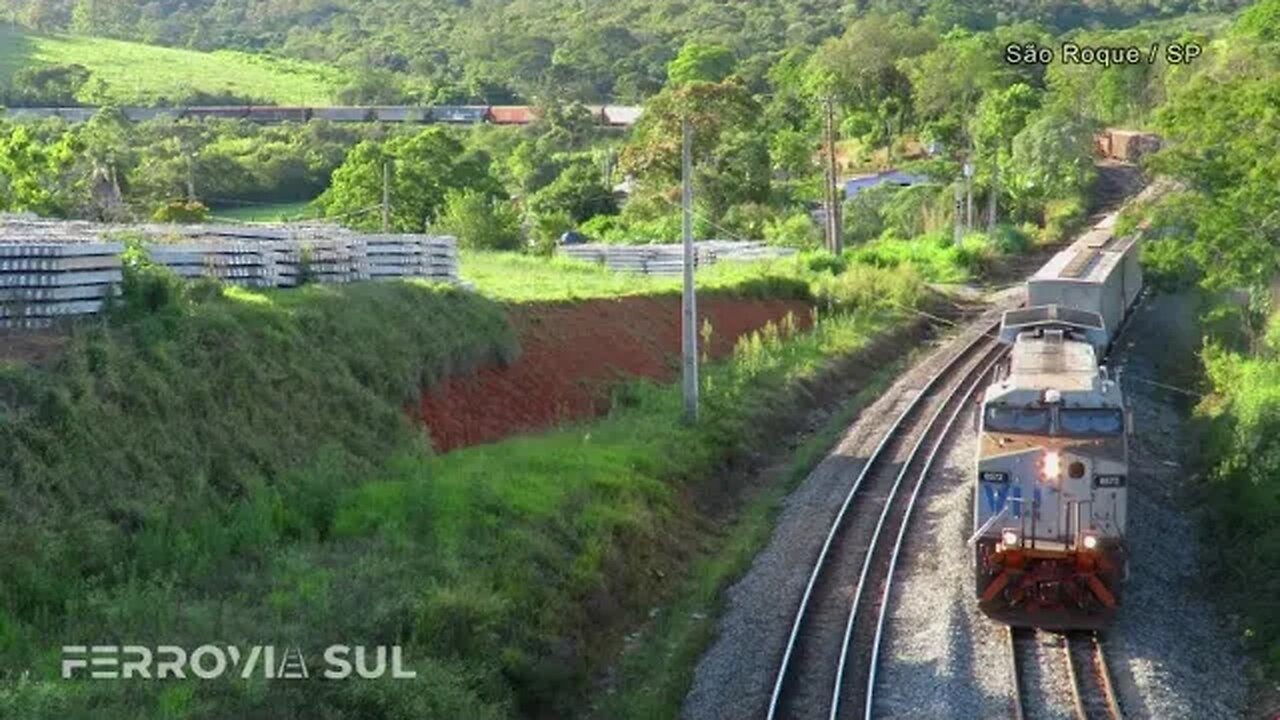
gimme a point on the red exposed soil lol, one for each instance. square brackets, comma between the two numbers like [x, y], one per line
[573, 352]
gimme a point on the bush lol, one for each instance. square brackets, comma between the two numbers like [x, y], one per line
[864, 287]
[1062, 218]
[479, 222]
[181, 211]
[796, 230]
[547, 230]
[749, 221]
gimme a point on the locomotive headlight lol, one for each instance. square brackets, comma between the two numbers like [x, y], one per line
[1010, 537]
[1089, 541]
[1052, 465]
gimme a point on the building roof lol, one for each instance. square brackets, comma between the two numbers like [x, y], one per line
[621, 114]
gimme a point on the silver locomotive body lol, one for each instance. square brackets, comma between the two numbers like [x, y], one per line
[1050, 498]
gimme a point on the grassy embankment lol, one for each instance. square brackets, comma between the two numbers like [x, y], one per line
[139, 74]
[236, 467]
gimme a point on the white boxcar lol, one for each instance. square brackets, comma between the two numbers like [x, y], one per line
[1099, 273]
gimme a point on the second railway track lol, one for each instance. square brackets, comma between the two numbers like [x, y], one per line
[827, 666]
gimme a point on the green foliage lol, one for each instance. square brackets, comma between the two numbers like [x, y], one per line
[578, 192]
[796, 229]
[422, 170]
[699, 62]
[1062, 218]
[481, 222]
[1052, 159]
[547, 230]
[1244, 442]
[181, 211]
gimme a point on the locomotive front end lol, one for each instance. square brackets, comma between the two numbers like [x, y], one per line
[1051, 490]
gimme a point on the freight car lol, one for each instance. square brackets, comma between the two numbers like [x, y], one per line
[1051, 476]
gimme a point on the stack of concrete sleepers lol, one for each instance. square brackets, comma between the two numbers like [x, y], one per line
[338, 260]
[40, 282]
[442, 258]
[645, 259]
[249, 264]
[411, 256]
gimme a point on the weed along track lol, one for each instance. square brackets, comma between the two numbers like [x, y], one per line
[831, 651]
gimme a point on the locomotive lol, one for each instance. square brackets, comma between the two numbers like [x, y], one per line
[1052, 468]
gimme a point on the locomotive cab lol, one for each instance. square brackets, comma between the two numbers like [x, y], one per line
[1050, 482]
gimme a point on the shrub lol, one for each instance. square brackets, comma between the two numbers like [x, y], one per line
[796, 230]
[181, 211]
[864, 287]
[480, 222]
[1062, 218]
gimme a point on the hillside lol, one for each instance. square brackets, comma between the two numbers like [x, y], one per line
[496, 50]
[123, 72]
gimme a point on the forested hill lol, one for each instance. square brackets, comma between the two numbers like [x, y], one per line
[496, 50]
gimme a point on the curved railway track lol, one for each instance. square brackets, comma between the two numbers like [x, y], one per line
[1083, 662]
[828, 665]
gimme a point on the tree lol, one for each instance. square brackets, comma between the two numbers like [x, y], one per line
[1052, 159]
[711, 108]
[948, 81]
[861, 70]
[579, 192]
[479, 221]
[423, 169]
[698, 62]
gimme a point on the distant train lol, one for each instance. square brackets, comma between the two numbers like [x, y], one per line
[1128, 146]
[615, 116]
[1052, 471]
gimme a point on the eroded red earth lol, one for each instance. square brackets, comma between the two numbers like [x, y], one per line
[573, 352]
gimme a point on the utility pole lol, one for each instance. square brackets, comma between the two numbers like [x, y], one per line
[835, 241]
[689, 304]
[968, 195]
[191, 178]
[992, 203]
[958, 214]
[386, 196]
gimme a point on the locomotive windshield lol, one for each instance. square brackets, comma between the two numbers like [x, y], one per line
[1091, 421]
[1002, 418]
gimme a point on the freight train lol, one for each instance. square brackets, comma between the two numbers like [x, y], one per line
[614, 116]
[1052, 470]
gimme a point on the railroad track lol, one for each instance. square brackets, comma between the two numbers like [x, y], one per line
[1084, 664]
[827, 668]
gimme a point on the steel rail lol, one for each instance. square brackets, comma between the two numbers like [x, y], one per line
[993, 357]
[837, 523]
[1097, 668]
[1018, 708]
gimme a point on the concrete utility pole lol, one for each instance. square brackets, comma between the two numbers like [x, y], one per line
[835, 239]
[958, 214]
[968, 195]
[992, 202]
[689, 304]
[386, 196]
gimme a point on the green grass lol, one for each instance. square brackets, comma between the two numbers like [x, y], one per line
[514, 277]
[237, 467]
[274, 212]
[657, 669]
[144, 74]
